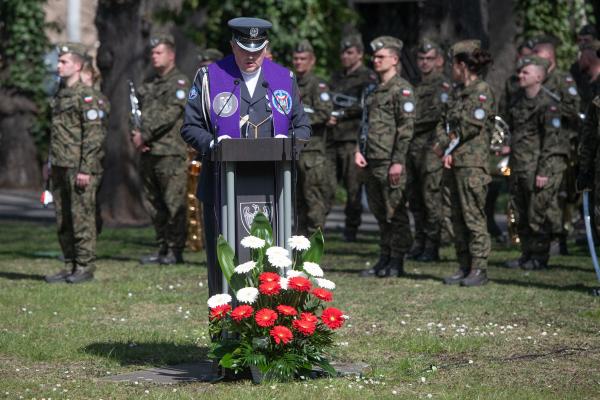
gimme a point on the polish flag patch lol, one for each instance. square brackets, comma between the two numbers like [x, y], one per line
[181, 82]
[482, 98]
[88, 99]
[406, 92]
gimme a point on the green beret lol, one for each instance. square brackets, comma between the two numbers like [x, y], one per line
[352, 41]
[533, 60]
[304, 46]
[425, 45]
[386, 42]
[163, 38]
[465, 46]
[210, 54]
[71, 47]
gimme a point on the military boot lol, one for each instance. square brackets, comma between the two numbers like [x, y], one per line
[394, 268]
[458, 276]
[416, 250]
[81, 275]
[153, 258]
[430, 254]
[477, 277]
[380, 265]
[172, 257]
[59, 277]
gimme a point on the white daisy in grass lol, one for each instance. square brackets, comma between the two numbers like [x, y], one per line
[283, 282]
[299, 243]
[245, 267]
[219, 300]
[277, 251]
[280, 261]
[253, 242]
[292, 273]
[247, 295]
[313, 269]
[325, 283]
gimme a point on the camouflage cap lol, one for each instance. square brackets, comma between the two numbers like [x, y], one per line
[465, 47]
[163, 38]
[386, 42]
[304, 46]
[425, 45]
[533, 60]
[210, 54]
[71, 47]
[349, 41]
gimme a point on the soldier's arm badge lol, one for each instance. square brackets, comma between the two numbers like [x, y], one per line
[324, 96]
[91, 114]
[572, 90]
[408, 106]
[444, 97]
[555, 122]
[180, 94]
[479, 114]
[193, 93]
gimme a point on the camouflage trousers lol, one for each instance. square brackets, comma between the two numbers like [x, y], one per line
[468, 189]
[165, 184]
[343, 169]
[313, 192]
[75, 218]
[424, 190]
[536, 211]
[388, 205]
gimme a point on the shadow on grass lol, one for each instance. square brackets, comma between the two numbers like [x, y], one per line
[148, 353]
[17, 276]
[578, 287]
[500, 264]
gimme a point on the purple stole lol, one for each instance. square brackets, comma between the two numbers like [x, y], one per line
[225, 78]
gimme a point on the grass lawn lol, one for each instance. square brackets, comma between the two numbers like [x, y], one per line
[533, 335]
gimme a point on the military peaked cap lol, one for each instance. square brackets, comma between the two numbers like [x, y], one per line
[425, 45]
[533, 60]
[352, 41]
[304, 46]
[163, 38]
[71, 47]
[250, 33]
[386, 42]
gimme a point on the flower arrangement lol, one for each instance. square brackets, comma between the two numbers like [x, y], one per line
[281, 323]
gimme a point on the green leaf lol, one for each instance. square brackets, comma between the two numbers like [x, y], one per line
[261, 227]
[324, 364]
[227, 361]
[226, 257]
[317, 246]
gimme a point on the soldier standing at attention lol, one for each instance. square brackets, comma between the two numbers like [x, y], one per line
[537, 162]
[391, 112]
[424, 168]
[341, 142]
[466, 165]
[75, 151]
[313, 184]
[163, 153]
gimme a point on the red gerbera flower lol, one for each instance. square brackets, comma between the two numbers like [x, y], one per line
[219, 312]
[265, 317]
[305, 327]
[332, 317]
[281, 334]
[287, 310]
[242, 312]
[269, 277]
[310, 317]
[299, 284]
[322, 294]
[269, 288]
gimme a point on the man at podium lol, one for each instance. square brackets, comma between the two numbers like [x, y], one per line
[243, 96]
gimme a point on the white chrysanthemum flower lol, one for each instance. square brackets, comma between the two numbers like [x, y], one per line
[253, 242]
[219, 300]
[277, 251]
[313, 269]
[292, 273]
[299, 243]
[280, 261]
[247, 295]
[325, 283]
[283, 282]
[245, 267]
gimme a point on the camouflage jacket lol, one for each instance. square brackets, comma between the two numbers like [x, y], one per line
[316, 99]
[351, 84]
[470, 114]
[391, 110]
[162, 101]
[76, 134]
[103, 112]
[588, 148]
[561, 86]
[536, 138]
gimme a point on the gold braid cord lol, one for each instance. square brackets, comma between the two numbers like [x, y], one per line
[195, 224]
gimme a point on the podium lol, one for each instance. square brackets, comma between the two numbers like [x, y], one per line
[255, 175]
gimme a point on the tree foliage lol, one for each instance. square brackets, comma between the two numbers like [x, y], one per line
[560, 18]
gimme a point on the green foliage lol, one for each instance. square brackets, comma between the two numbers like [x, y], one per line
[560, 18]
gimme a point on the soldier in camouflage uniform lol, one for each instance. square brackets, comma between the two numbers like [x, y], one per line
[75, 152]
[344, 123]
[466, 164]
[424, 169]
[208, 56]
[313, 176]
[391, 114]
[163, 158]
[537, 162]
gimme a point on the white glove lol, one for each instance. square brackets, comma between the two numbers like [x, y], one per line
[280, 136]
[212, 142]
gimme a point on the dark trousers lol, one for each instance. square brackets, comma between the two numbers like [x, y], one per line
[215, 283]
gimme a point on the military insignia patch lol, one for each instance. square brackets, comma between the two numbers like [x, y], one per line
[406, 92]
[324, 96]
[479, 114]
[446, 85]
[444, 97]
[88, 99]
[180, 94]
[555, 122]
[181, 82]
[408, 107]
[100, 101]
[224, 104]
[282, 101]
[253, 32]
[569, 79]
[572, 90]
[553, 108]
[193, 93]
[322, 85]
[92, 114]
[101, 114]
[482, 98]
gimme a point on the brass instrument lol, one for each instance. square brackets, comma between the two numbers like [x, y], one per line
[195, 241]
